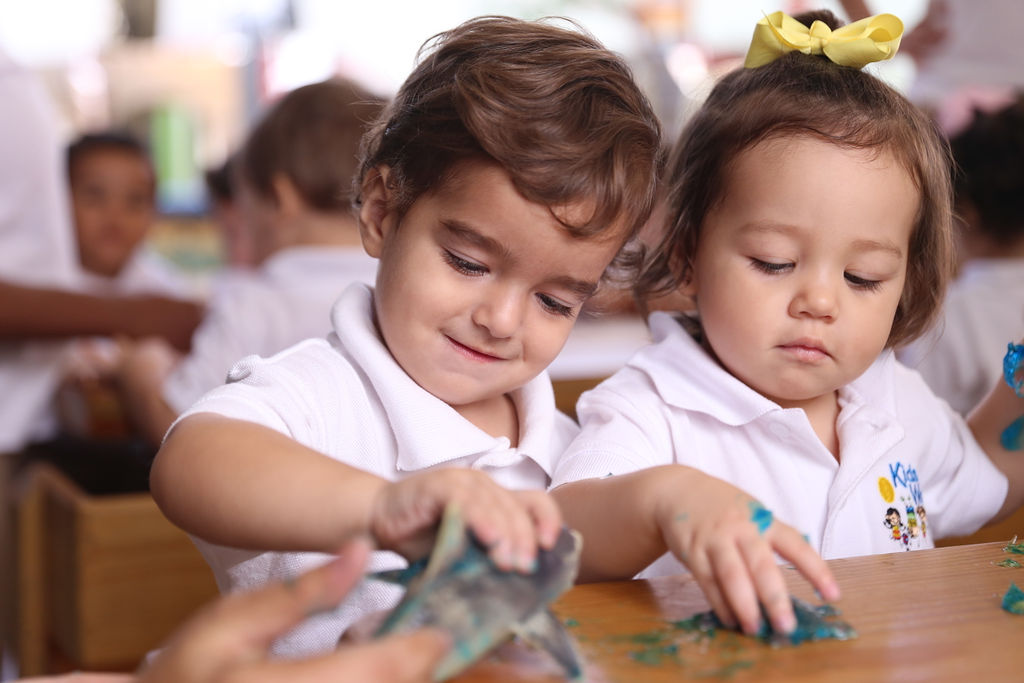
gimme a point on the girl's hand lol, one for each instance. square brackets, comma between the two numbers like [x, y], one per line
[727, 540]
[512, 524]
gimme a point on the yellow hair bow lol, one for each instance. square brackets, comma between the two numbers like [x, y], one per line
[862, 42]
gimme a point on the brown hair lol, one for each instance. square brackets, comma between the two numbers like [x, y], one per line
[311, 135]
[989, 158]
[559, 112]
[804, 95]
[106, 141]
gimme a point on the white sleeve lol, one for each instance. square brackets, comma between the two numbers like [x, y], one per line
[621, 431]
[35, 227]
[302, 392]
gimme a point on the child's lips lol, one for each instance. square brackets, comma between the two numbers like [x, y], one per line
[806, 349]
[473, 353]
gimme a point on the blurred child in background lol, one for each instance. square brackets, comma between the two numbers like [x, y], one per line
[227, 216]
[292, 182]
[113, 206]
[984, 307]
[112, 189]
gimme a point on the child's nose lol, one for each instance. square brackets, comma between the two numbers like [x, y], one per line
[816, 298]
[501, 312]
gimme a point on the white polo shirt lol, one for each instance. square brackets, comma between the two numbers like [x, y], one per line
[961, 358]
[286, 300]
[346, 397]
[903, 450]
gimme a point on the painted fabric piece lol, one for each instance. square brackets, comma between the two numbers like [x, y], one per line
[458, 589]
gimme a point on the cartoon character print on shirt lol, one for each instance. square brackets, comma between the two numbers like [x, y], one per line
[905, 519]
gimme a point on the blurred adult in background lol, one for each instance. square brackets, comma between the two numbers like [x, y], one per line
[292, 182]
[984, 309]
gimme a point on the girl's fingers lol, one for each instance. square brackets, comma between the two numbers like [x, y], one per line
[794, 548]
[701, 570]
[769, 584]
[733, 577]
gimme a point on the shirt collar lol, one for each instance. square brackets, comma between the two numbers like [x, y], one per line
[427, 430]
[708, 388]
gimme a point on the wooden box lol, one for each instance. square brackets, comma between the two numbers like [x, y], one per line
[103, 579]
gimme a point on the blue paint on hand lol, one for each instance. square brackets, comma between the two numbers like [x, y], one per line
[1013, 367]
[1012, 437]
[760, 515]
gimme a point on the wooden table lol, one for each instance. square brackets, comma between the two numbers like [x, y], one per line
[929, 615]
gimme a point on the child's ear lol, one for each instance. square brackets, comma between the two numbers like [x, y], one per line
[688, 280]
[375, 210]
[289, 201]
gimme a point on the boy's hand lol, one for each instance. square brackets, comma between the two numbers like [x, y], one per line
[727, 539]
[511, 523]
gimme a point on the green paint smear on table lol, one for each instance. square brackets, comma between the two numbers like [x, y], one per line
[1013, 601]
[1014, 547]
[655, 655]
[728, 670]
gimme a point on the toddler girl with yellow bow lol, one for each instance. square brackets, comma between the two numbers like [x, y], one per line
[809, 225]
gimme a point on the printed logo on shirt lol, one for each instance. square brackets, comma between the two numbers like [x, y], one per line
[905, 519]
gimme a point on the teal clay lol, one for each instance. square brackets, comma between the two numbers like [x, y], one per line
[1013, 601]
[812, 623]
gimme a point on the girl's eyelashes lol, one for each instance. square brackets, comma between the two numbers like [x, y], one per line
[855, 281]
[858, 282]
[462, 265]
[555, 306]
[770, 267]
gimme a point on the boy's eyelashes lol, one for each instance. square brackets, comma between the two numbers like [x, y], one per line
[464, 266]
[855, 281]
[473, 269]
[555, 306]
